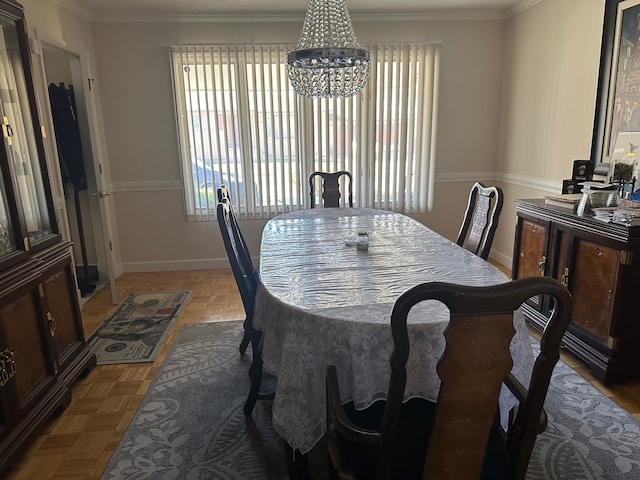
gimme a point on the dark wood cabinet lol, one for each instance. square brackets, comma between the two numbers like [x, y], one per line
[62, 311]
[42, 343]
[532, 252]
[600, 264]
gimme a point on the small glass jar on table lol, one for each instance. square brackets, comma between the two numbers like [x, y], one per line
[362, 240]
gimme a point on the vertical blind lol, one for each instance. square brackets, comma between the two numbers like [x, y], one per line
[241, 124]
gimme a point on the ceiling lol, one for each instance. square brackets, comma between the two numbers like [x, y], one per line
[113, 9]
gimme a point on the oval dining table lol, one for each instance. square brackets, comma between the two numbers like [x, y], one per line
[322, 301]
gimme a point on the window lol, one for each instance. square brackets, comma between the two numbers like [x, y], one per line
[241, 124]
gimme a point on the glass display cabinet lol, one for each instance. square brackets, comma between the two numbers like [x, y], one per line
[42, 345]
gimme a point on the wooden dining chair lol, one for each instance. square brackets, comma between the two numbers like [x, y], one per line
[331, 188]
[247, 281]
[481, 219]
[243, 256]
[459, 436]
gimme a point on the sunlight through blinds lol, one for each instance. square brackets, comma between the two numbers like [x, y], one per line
[241, 124]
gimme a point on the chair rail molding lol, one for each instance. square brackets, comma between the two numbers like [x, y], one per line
[146, 186]
[551, 186]
[535, 183]
[465, 177]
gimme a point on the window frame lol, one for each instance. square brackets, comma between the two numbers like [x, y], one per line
[307, 134]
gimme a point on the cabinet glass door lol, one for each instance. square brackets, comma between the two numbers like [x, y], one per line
[19, 137]
[7, 242]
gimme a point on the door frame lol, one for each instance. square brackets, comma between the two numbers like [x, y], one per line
[90, 134]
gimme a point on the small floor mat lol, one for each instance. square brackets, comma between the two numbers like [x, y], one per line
[136, 329]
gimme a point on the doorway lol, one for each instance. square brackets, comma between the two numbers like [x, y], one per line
[62, 72]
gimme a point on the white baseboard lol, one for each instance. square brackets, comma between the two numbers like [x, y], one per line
[118, 270]
[174, 265]
[505, 259]
[502, 259]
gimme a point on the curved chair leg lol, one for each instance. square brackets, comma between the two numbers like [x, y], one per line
[255, 373]
[243, 345]
[245, 342]
[297, 464]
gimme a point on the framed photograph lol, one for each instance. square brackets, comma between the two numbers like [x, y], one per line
[582, 170]
[571, 186]
[617, 115]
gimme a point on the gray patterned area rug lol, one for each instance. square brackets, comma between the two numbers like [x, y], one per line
[190, 425]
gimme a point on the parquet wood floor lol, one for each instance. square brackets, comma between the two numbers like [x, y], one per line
[78, 444]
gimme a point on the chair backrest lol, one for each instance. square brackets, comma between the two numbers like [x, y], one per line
[331, 188]
[481, 219]
[237, 251]
[472, 369]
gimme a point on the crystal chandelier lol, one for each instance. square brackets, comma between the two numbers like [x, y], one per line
[328, 61]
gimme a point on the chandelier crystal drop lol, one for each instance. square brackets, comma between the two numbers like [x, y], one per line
[328, 61]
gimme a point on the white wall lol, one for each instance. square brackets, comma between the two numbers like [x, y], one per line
[552, 53]
[48, 21]
[133, 67]
[517, 101]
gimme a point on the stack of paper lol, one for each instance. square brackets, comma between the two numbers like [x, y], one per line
[570, 200]
[604, 213]
[629, 217]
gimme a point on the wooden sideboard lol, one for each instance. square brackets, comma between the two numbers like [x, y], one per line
[600, 264]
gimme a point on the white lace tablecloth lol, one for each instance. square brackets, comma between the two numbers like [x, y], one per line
[322, 302]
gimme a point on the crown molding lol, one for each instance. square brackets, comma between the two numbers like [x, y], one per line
[240, 17]
[74, 8]
[297, 17]
[521, 6]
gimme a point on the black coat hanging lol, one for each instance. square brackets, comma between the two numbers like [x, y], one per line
[67, 130]
[65, 123]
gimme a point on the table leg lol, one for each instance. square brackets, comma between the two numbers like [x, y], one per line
[297, 464]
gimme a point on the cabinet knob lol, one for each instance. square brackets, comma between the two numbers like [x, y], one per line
[52, 324]
[4, 376]
[7, 366]
[12, 364]
[7, 131]
[542, 264]
[564, 280]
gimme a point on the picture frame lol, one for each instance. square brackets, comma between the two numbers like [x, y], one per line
[618, 90]
[571, 186]
[582, 170]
